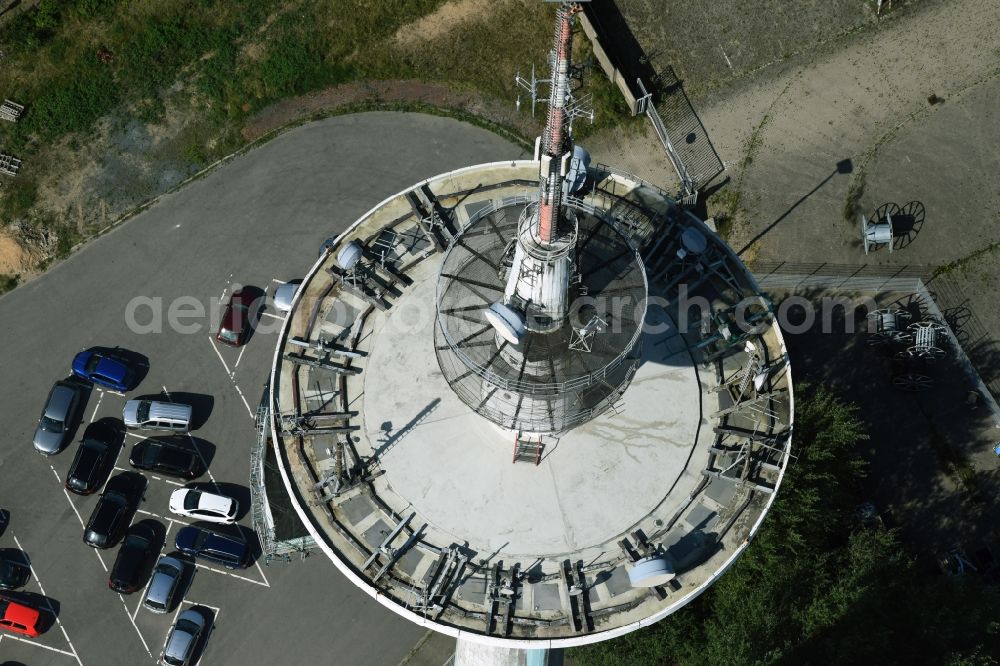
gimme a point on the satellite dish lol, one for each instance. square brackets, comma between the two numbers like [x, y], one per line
[760, 379]
[694, 241]
[576, 176]
[651, 572]
[507, 321]
[350, 255]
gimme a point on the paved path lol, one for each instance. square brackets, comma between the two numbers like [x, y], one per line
[261, 217]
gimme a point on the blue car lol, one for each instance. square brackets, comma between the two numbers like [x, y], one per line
[212, 546]
[104, 369]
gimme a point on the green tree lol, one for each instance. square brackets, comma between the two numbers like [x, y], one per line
[817, 588]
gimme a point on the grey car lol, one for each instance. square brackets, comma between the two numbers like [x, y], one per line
[53, 424]
[182, 638]
[163, 585]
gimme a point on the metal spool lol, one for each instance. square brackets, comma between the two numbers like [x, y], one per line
[912, 382]
[886, 325]
[925, 339]
[876, 233]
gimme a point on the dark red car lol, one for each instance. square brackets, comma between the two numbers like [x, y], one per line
[238, 317]
[19, 618]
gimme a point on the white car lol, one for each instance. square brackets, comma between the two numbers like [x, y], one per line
[204, 506]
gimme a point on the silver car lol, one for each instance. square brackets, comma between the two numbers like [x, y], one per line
[155, 415]
[163, 585]
[53, 424]
[182, 638]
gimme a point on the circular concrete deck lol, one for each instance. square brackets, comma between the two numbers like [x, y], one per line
[416, 499]
[455, 467]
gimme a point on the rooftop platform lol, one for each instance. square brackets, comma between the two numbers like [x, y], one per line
[416, 497]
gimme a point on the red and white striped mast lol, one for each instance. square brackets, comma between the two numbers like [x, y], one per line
[538, 283]
[556, 139]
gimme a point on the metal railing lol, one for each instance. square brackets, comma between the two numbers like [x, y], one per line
[539, 388]
[258, 498]
[687, 183]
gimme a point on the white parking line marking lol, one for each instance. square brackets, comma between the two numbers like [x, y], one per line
[247, 404]
[139, 605]
[100, 397]
[130, 619]
[196, 603]
[268, 314]
[173, 483]
[211, 341]
[47, 647]
[257, 564]
[38, 581]
[156, 515]
[73, 506]
[101, 559]
[165, 518]
[132, 434]
[238, 358]
[227, 573]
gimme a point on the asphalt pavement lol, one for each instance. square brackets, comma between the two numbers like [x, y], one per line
[155, 286]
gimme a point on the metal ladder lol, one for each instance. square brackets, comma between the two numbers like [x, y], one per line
[527, 450]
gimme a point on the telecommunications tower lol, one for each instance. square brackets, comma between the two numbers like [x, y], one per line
[585, 434]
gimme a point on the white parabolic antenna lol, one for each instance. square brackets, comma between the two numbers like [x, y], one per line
[651, 572]
[350, 255]
[508, 323]
[576, 176]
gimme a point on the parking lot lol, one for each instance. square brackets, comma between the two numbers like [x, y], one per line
[156, 287]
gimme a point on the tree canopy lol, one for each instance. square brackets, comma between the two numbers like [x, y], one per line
[815, 586]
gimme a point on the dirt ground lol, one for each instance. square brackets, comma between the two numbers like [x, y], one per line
[864, 98]
[914, 112]
[12, 256]
[387, 92]
[726, 43]
[449, 17]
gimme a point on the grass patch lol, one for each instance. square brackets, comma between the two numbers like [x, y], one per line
[8, 282]
[961, 264]
[193, 72]
[19, 195]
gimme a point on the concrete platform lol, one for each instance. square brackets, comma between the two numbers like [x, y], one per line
[415, 497]
[454, 468]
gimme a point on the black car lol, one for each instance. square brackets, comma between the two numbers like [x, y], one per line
[113, 511]
[14, 572]
[89, 466]
[134, 557]
[208, 545]
[166, 455]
